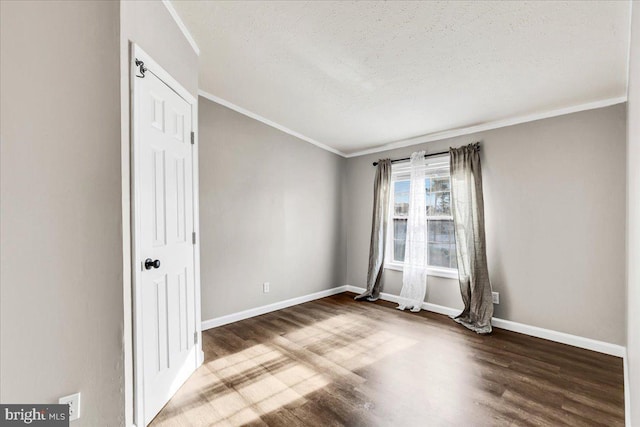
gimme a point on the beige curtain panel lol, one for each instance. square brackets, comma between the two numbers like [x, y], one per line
[468, 217]
[381, 190]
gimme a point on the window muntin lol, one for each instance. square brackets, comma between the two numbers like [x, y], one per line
[440, 231]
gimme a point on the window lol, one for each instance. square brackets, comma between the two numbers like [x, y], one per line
[440, 233]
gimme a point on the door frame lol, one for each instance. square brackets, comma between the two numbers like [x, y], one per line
[153, 67]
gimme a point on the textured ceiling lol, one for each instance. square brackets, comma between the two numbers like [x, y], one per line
[355, 75]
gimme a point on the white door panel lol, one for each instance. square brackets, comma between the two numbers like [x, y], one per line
[165, 223]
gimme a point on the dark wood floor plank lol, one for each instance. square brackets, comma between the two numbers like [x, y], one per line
[337, 362]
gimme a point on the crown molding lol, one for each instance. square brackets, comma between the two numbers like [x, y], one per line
[428, 137]
[490, 125]
[267, 122]
[174, 14]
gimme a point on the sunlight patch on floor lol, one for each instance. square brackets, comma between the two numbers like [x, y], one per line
[368, 350]
[239, 388]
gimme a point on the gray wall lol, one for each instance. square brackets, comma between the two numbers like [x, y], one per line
[633, 220]
[555, 222]
[61, 315]
[150, 25]
[65, 198]
[270, 211]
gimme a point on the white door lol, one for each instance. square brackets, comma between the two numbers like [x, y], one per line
[164, 222]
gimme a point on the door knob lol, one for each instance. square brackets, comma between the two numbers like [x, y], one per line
[149, 263]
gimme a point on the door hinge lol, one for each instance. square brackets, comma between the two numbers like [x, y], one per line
[193, 138]
[195, 337]
[193, 237]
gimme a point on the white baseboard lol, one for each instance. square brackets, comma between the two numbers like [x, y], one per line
[561, 337]
[395, 298]
[534, 331]
[252, 312]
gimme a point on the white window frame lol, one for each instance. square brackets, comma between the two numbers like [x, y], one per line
[402, 171]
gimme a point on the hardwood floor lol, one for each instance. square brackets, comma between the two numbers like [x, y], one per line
[335, 362]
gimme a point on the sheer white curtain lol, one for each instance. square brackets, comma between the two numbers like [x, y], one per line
[414, 277]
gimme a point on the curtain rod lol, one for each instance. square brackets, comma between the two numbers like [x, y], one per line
[409, 158]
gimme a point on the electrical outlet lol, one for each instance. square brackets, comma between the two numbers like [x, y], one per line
[496, 297]
[73, 400]
[265, 287]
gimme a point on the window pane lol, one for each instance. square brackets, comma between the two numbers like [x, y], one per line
[440, 183]
[441, 238]
[399, 229]
[438, 195]
[399, 235]
[398, 250]
[437, 255]
[453, 259]
[441, 231]
[442, 247]
[442, 255]
[401, 198]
